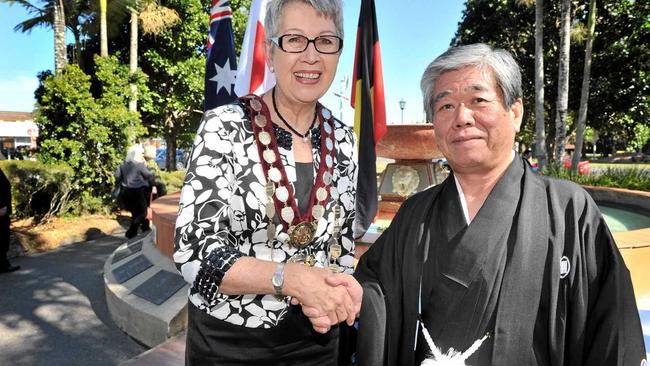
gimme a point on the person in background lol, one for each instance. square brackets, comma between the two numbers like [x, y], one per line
[264, 229]
[505, 266]
[135, 179]
[5, 222]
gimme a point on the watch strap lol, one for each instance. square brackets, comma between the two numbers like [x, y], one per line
[278, 278]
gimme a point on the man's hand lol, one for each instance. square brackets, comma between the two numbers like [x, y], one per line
[354, 290]
[325, 305]
[347, 310]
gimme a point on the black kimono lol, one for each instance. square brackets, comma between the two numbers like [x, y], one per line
[537, 268]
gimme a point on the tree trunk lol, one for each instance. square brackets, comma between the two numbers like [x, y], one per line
[103, 36]
[563, 82]
[133, 60]
[584, 93]
[170, 139]
[77, 48]
[540, 131]
[60, 51]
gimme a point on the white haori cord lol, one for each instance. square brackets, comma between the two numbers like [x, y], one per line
[452, 357]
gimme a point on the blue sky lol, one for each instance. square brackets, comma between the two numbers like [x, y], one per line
[411, 33]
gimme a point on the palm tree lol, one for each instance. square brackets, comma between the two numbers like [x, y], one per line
[584, 93]
[103, 36]
[51, 14]
[540, 133]
[154, 19]
[563, 81]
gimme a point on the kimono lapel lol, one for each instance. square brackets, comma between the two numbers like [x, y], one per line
[522, 284]
[471, 260]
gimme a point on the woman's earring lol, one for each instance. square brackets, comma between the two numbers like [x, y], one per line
[272, 69]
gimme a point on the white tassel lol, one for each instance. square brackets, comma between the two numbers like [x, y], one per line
[452, 357]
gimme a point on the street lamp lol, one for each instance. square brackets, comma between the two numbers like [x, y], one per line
[402, 104]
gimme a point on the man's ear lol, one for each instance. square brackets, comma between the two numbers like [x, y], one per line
[517, 113]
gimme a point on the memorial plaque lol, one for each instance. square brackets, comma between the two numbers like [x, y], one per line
[135, 247]
[127, 251]
[160, 287]
[131, 268]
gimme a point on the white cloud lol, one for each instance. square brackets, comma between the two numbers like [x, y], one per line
[17, 93]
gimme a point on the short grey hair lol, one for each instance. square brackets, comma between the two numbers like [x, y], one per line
[330, 9]
[135, 153]
[500, 62]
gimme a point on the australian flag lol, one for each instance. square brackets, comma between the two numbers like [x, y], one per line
[221, 65]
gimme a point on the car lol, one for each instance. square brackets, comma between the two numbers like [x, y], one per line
[161, 158]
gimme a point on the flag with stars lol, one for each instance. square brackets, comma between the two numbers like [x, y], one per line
[221, 65]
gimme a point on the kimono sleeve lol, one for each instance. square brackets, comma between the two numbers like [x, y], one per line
[613, 334]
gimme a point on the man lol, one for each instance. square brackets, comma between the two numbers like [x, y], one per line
[5, 212]
[524, 263]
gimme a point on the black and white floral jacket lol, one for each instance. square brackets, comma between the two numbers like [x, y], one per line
[222, 204]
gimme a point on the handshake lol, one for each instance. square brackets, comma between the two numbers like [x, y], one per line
[327, 298]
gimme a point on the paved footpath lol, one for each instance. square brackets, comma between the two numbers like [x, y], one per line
[53, 310]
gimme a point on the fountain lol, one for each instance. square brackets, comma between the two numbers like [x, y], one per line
[413, 149]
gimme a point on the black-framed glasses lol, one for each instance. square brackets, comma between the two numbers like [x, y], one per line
[297, 43]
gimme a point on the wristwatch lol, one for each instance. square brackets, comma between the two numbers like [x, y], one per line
[278, 279]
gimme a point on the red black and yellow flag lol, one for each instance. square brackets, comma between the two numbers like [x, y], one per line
[369, 113]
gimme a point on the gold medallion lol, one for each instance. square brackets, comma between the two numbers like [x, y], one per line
[335, 251]
[270, 209]
[327, 127]
[321, 194]
[256, 105]
[269, 188]
[318, 211]
[269, 156]
[287, 214]
[260, 120]
[270, 232]
[327, 178]
[337, 210]
[336, 231]
[310, 261]
[275, 175]
[328, 161]
[282, 194]
[264, 137]
[302, 234]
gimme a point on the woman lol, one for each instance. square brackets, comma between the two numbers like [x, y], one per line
[266, 208]
[135, 179]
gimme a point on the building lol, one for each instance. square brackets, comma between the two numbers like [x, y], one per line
[18, 132]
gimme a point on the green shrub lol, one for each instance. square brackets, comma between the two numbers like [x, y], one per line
[38, 190]
[86, 132]
[173, 180]
[631, 178]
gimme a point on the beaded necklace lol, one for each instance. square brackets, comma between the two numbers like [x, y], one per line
[305, 136]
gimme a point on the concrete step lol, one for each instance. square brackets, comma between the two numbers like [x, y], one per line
[146, 296]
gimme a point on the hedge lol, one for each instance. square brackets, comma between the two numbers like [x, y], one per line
[38, 190]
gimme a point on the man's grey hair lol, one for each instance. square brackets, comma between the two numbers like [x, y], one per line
[499, 62]
[330, 9]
